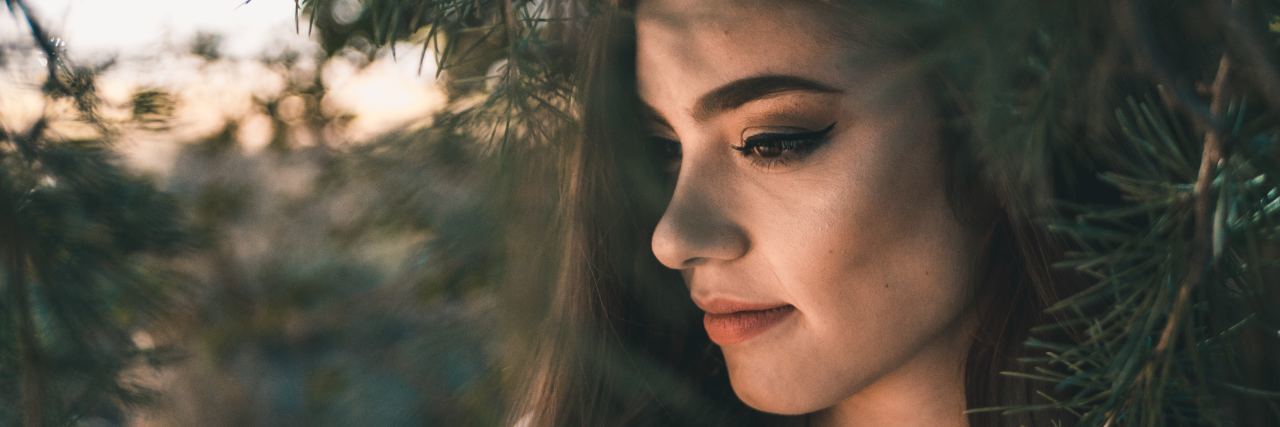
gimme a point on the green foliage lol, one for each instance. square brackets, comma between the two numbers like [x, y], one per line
[1140, 253]
[326, 283]
[506, 65]
[1182, 260]
[79, 239]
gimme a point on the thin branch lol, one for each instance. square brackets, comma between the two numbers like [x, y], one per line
[509, 13]
[53, 58]
[1213, 154]
[1243, 30]
[1138, 32]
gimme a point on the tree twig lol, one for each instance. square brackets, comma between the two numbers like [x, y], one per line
[52, 56]
[1206, 118]
[1211, 157]
[1244, 32]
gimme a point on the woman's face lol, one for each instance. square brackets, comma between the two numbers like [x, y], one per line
[808, 216]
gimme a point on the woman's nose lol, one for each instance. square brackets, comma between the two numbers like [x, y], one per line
[696, 229]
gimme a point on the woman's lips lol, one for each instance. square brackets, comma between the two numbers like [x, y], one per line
[726, 327]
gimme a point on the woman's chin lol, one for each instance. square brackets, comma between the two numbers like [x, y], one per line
[778, 395]
[780, 402]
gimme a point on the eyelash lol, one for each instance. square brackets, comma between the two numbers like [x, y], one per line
[668, 152]
[783, 147]
[790, 146]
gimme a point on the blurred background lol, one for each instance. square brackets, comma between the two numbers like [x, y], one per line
[220, 212]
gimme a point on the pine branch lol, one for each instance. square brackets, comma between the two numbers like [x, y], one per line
[1202, 254]
[1214, 151]
[75, 226]
[63, 78]
[44, 42]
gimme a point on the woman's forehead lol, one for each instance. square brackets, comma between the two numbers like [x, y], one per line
[686, 48]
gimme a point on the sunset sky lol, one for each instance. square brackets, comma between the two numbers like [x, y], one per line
[149, 40]
[139, 27]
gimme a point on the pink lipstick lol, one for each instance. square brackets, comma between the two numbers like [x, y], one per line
[731, 323]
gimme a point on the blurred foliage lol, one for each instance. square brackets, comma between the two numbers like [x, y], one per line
[322, 281]
[506, 65]
[82, 242]
[320, 301]
[318, 281]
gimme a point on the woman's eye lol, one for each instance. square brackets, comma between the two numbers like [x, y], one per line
[667, 152]
[775, 149]
[768, 149]
[666, 148]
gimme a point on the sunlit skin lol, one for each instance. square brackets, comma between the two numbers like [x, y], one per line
[855, 233]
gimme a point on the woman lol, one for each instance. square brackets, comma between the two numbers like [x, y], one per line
[842, 263]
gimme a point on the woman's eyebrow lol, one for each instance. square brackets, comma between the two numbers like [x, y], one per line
[738, 92]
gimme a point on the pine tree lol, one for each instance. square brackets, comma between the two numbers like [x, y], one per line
[77, 235]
